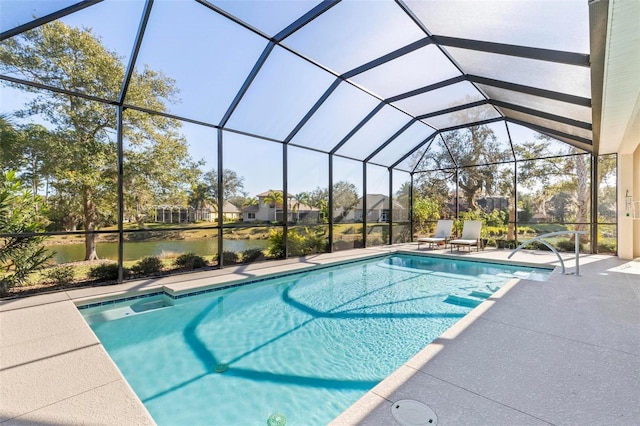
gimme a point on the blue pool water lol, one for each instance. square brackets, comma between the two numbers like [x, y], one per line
[304, 346]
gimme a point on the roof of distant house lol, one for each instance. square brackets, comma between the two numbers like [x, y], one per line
[227, 207]
[266, 193]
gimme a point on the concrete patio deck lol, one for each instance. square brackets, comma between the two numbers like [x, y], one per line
[565, 351]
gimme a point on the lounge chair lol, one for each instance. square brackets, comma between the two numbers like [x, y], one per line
[470, 235]
[442, 235]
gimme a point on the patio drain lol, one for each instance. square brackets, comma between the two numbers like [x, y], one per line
[408, 412]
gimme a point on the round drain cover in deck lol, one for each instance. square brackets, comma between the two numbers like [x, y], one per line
[413, 413]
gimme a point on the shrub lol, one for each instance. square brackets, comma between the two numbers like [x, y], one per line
[229, 258]
[21, 212]
[147, 266]
[252, 255]
[189, 261]
[276, 244]
[506, 244]
[525, 230]
[568, 245]
[607, 248]
[543, 228]
[375, 241]
[296, 244]
[537, 245]
[60, 275]
[300, 241]
[106, 272]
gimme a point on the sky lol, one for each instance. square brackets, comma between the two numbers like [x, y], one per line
[209, 57]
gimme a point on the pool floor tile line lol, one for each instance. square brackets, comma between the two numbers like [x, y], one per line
[84, 386]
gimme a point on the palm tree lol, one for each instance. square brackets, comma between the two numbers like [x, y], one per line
[299, 199]
[274, 198]
[251, 201]
[402, 195]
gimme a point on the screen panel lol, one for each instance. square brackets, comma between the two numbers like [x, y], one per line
[344, 38]
[257, 165]
[377, 213]
[551, 106]
[270, 17]
[411, 137]
[21, 12]
[571, 79]
[335, 118]
[532, 24]
[439, 99]
[529, 144]
[549, 124]
[465, 116]
[436, 157]
[207, 56]
[347, 193]
[477, 145]
[419, 68]
[283, 91]
[80, 52]
[308, 184]
[374, 133]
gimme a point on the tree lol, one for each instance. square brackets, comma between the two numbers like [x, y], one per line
[553, 176]
[345, 199]
[319, 198]
[403, 194]
[297, 201]
[274, 199]
[26, 148]
[475, 146]
[249, 201]
[242, 200]
[426, 210]
[20, 213]
[606, 186]
[199, 196]
[560, 202]
[158, 170]
[205, 192]
[84, 150]
[435, 187]
[10, 146]
[232, 184]
[583, 199]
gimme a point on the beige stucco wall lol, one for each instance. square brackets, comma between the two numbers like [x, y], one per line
[628, 180]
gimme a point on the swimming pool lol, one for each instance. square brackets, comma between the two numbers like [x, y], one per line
[302, 347]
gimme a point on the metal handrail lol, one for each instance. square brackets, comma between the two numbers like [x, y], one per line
[552, 234]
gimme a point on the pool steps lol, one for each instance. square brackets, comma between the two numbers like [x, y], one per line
[471, 300]
[128, 308]
[481, 294]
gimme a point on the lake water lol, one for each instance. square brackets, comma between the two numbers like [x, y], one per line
[140, 249]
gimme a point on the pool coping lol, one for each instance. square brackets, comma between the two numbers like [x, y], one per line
[47, 345]
[91, 302]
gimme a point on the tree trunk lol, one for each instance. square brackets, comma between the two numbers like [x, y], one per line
[582, 198]
[90, 216]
